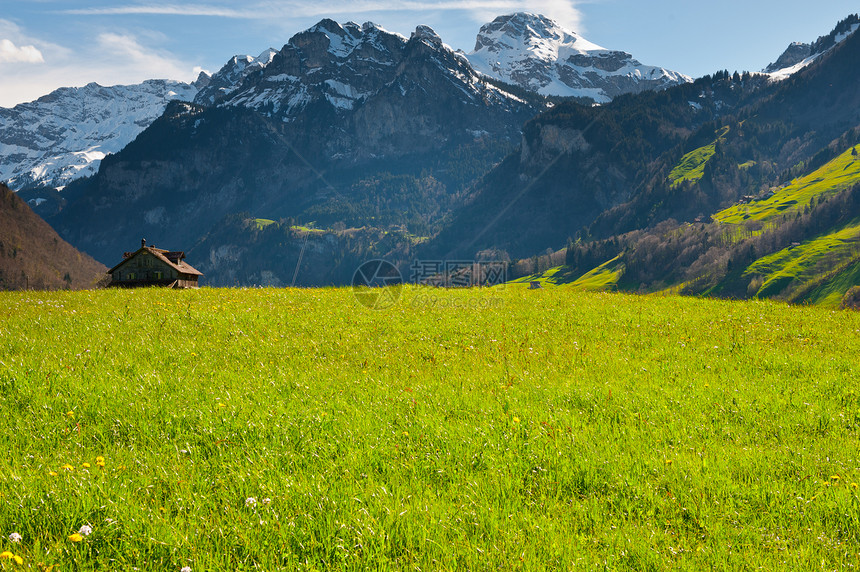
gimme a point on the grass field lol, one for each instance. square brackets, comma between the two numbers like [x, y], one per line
[499, 428]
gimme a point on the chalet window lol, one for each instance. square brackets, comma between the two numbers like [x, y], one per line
[159, 275]
[131, 276]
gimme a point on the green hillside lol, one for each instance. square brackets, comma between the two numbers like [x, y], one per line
[474, 429]
[836, 175]
[691, 167]
[806, 262]
[602, 278]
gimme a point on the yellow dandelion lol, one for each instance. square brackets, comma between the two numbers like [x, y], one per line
[52, 474]
[516, 419]
[76, 537]
[9, 556]
[70, 413]
[68, 467]
[100, 459]
[853, 485]
[85, 465]
[834, 478]
[100, 464]
[668, 461]
[222, 405]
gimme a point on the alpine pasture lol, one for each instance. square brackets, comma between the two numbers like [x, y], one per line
[503, 428]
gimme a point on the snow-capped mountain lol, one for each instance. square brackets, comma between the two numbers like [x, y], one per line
[799, 55]
[64, 135]
[538, 54]
[346, 66]
[346, 123]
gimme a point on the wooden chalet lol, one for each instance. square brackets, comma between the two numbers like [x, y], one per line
[150, 266]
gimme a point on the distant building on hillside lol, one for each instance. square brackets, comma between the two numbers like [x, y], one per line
[150, 266]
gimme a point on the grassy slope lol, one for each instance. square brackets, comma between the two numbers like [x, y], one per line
[691, 167]
[838, 174]
[830, 291]
[263, 223]
[473, 429]
[804, 263]
[602, 278]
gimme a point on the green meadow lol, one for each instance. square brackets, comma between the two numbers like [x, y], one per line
[480, 429]
[836, 175]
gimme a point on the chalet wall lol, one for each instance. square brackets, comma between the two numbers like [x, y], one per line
[146, 267]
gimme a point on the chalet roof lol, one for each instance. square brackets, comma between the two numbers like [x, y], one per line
[171, 258]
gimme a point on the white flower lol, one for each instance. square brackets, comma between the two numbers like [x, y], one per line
[250, 502]
[15, 537]
[266, 500]
[86, 530]
[186, 569]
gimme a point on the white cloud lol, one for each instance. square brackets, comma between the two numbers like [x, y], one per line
[165, 10]
[10, 53]
[112, 58]
[128, 58]
[562, 11]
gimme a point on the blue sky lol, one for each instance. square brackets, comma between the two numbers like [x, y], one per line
[46, 44]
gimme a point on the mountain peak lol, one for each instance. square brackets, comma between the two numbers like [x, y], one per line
[427, 33]
[538, 54]
[799, 55]
[523, 26]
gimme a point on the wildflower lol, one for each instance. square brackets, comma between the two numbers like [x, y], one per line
[85, 465]
[70, 414]
[267, 500]
[100, 459]
[9, 556]
[52, 474]
[222, 405]
[516, 419]
[76, 537]
[15, 537]
[250, 502]
[668, 461]
[185, 569]
[68, 467]
[834, 478]
[86, 530]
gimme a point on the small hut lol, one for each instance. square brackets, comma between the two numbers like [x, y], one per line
[150, 266]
